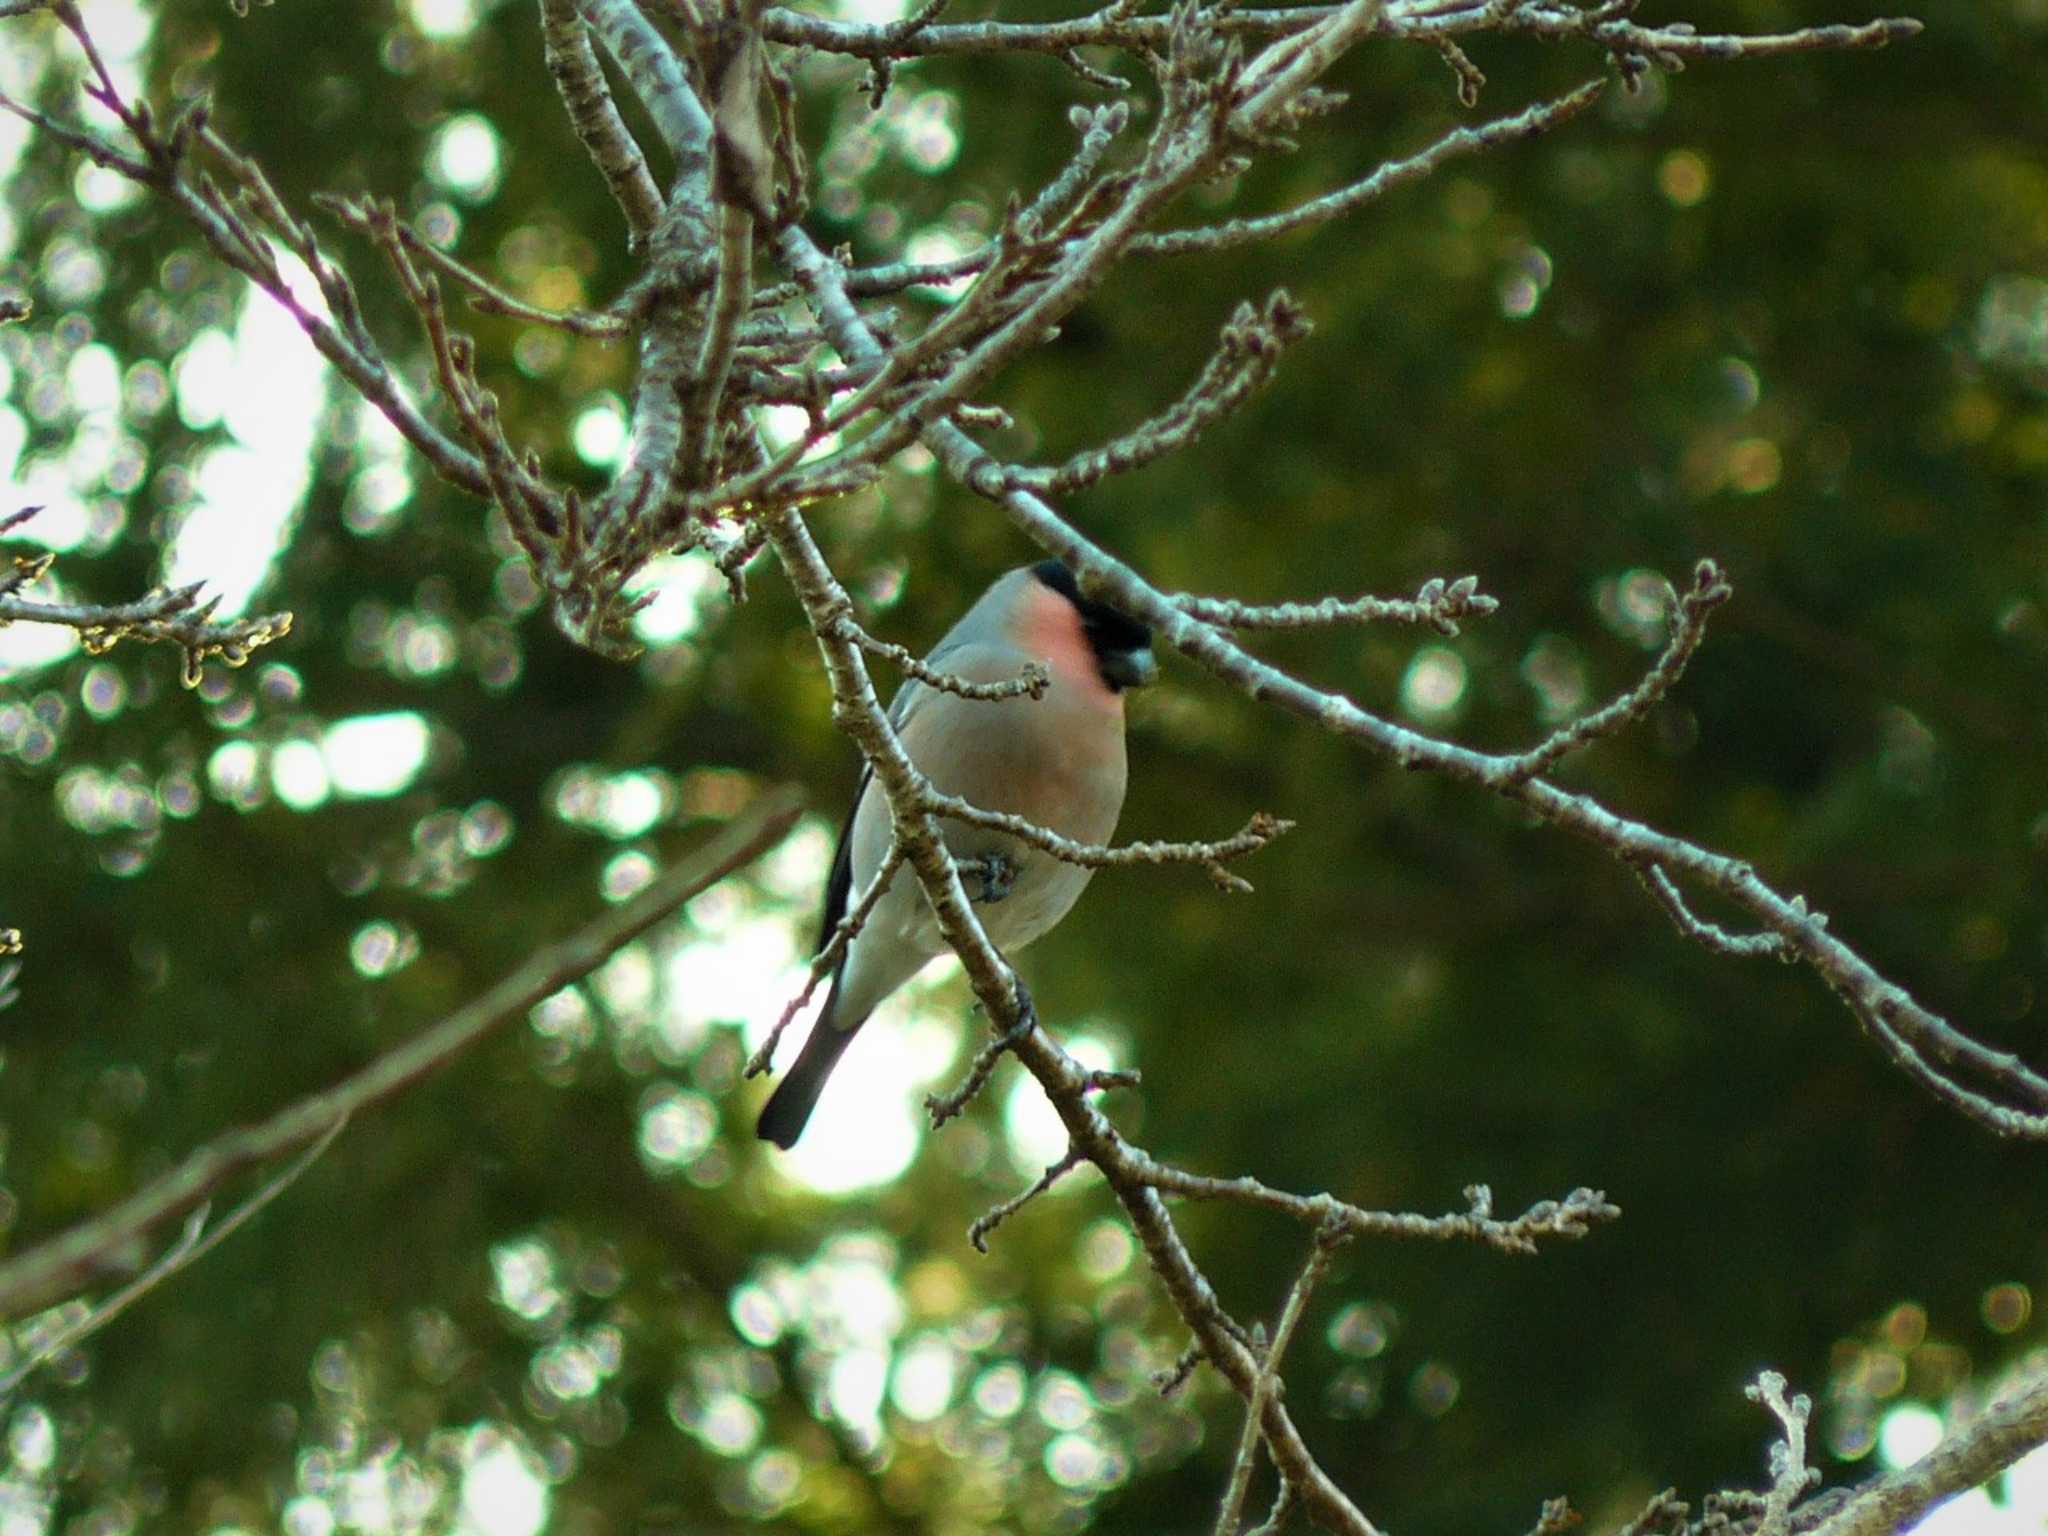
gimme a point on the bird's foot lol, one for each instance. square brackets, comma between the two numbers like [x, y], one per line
[996, 875]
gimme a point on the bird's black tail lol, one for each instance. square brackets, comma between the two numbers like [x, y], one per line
[789, 1107]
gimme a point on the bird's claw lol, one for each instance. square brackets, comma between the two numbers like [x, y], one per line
[997, 873]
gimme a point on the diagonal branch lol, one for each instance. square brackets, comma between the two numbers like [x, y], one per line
[1459, 142]
[2014, 1423]
[194, 1243]
[826, 961]
[1320, 1253]
[1137, 1180]
[59, 1265]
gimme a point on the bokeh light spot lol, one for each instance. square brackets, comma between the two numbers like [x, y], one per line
[1433, 688]
[372, 755]
[1908, 1432]
[465, 157]
[1684, 178]
[503, 1490]
[2007, 1308]
[599, 432]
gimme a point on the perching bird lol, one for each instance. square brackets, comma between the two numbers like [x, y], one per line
[1057, 760]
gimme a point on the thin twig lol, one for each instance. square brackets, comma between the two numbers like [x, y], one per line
[1556, 1517]
[1712, 935]
[1394, 174]
[1320, 1253]
[1211, 857]
[1790, 1474]
[171, 615]
[1689, 615]
[941, 1107]
[1247, 360]
[826, 961]
[1438, 603]
[995, 1216]
[1030, 683]
[488, 298]
[1285, 1499]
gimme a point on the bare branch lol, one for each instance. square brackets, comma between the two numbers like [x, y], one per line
[1935, 1054]
[1320, 1252]
[485, 295]
[1720, 940]
[1420, 20]
[826, 961]
[1438, 603]
[1790, 1474]
[537, 514]
[1664, 1512]
[1217, 1336]
[1670, 47]
[1569, 1219]
[1689, 616]
[941, 1107]
[170, 615]
[1258, 832]
[1557, 1517]
[1245, 363]
[657, 78]
[59, 1265]
[1030, 683]
[2013, 1423]
[1394, 174]
[1288, 67]
[741, 181]
[588, 100]
[977, 1234]
[730, 298]
[193, 1244]
[1284, 1503]
[339, 334]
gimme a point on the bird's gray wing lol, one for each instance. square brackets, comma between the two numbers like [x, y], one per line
[839, 884]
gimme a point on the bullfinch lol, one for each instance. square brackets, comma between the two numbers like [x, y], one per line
[1057, 760]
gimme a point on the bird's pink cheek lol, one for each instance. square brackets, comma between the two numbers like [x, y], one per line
[1051, 628]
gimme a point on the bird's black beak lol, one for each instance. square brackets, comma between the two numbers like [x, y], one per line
[1131, 669]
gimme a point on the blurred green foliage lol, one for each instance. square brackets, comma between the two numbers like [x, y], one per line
[1790, 314]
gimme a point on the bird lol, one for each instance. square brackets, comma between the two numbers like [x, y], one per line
[1057, 760]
